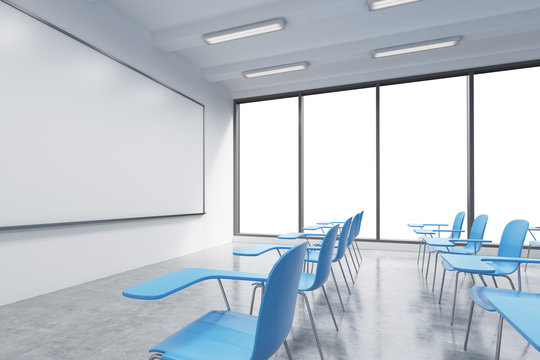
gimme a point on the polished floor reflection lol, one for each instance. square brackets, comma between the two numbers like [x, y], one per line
[391, 314]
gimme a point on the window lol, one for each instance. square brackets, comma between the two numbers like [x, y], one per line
[339, 157]
[507, 130]
[423, 154]
[269, 166]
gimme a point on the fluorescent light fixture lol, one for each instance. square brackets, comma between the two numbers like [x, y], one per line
[276, 69]
[414, 47]
[243, 31]
[383, 4]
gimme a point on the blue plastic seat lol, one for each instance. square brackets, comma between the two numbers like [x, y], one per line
[514, 305]
[511, 245]
[232, 335]
[454, 233]
[472, 247]
[313, 256]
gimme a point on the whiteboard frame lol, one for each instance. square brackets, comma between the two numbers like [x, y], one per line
[112, 57]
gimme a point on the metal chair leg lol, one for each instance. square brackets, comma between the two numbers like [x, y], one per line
[510, 280]
[495, 281]
[455, 294]
[352, 259]
[427, 267]
[224, 295]
[289, 355]
[435, 271]
[329, 307]
[355, 253]
[468, 326]
[337, 288]
[344, 277]
[419, 248]
[473, 281]
[424, 257]
[312, 323]
[483, 280]
[499, 336]
[442, 284]
[528, 254]
[349, 266]
[255, 287]
[358, 248]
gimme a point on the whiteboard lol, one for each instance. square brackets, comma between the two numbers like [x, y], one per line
[84, 137]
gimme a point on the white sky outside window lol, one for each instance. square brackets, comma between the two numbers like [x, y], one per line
[507, 151]
[339, 157]
[423, 141]
[269, 166]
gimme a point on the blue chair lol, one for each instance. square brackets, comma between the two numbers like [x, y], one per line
[419, 228]
[231, 335]
[532, 243]
[312, 282]
[455, 234]
[471, 248]
[510, 303]
[313, 256]
[357, 232]
[511, 245]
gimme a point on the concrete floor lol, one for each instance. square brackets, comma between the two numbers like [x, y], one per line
[391, 314]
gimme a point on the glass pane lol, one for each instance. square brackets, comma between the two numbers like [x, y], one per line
[507, 129]
[339, 157]
[269, 166]
[423, 129]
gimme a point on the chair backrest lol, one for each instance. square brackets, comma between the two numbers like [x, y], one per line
[458, 224]
[360, 216]
[278, 303]
[512, 238]
[477, 232]
[346, 233]
[325, 258]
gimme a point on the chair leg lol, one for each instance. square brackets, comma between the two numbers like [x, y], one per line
[495, 281]
[419, 248]
[435, 271]
[483, 280]
[427, 267]
[499, 336]
[329, 307]
[352, 259]
[358, 248]
[255, 287]
[442, 284]
[355, 254]
[224, 295]
[349, 266]
[455, 294]
[473, 281]
[312, 324]
[528, 254]
[289, 355]
[337, 288]
[468, 326]
[155, 356]
[344, 277]
[510, 280]
[424, 257]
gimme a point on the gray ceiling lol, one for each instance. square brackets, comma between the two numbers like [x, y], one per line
[336, 37]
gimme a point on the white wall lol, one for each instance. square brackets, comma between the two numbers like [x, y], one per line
[40, 260]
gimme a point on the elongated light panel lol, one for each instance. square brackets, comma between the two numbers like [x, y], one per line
[383, 4]
[276, 69]
[414, 47]
[240, 32]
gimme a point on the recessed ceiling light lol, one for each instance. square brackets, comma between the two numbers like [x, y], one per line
[383, 4]
[243, 31]
[414, 47]
[276, 69]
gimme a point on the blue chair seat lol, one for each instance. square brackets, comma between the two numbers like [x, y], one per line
[313, 256]
[479, 295]
[306, 281]
[446, 265]
[218, 335]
